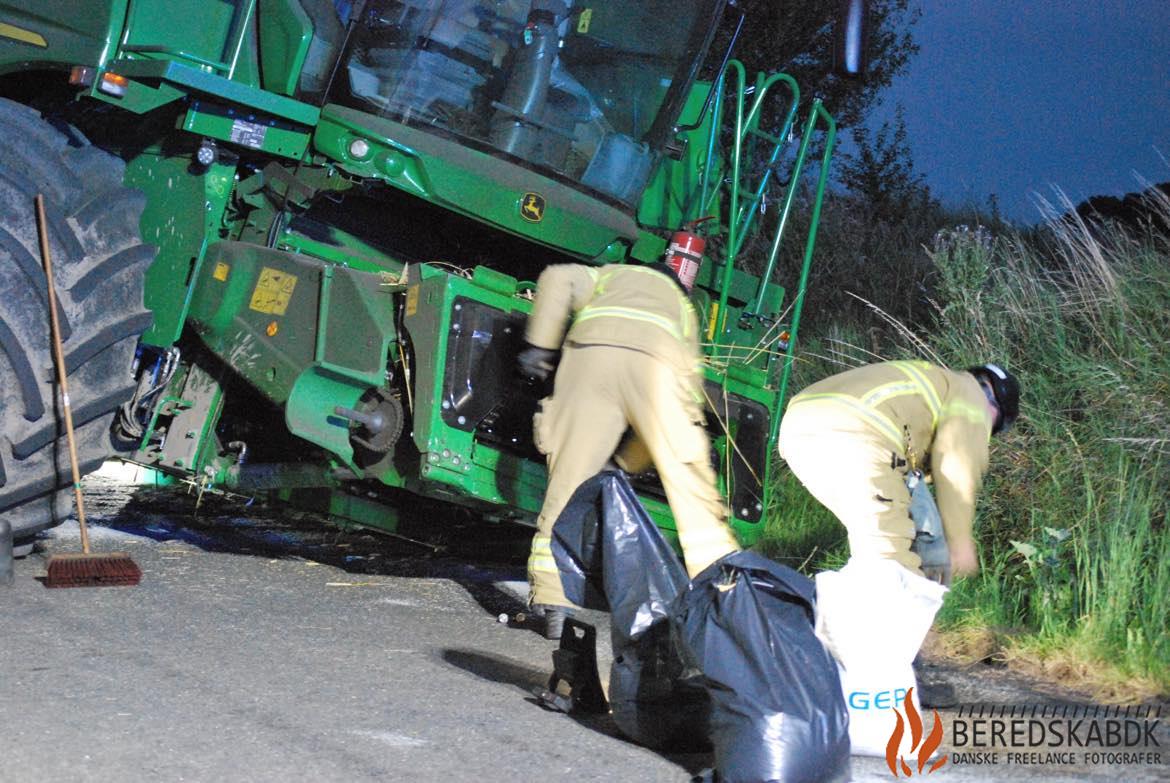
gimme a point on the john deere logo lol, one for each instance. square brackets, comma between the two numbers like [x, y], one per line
[532, 207]
[924, 746]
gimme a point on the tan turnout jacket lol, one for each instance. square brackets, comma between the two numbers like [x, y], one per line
[928, 415]
[622, 305]
[630, 362]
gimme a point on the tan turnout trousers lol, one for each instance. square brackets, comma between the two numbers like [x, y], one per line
[851, 438]
[850, 473]
[599, 391]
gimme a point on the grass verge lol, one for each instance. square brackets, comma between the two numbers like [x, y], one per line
[1072, 519]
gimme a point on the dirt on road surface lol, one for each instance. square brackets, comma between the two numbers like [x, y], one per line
[264, 644]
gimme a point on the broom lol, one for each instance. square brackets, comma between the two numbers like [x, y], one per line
[84, 569]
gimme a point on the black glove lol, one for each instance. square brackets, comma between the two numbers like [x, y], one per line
[536, 362]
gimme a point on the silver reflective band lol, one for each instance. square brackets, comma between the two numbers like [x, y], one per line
[995, 368]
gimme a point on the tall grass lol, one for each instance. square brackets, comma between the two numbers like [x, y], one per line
[1072, 519]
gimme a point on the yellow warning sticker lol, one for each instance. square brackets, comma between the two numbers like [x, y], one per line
[22, 35]
[412, 300]
[273, 291]
[584, 20]
[221, 271]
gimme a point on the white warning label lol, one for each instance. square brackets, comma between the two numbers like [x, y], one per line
[249, 134]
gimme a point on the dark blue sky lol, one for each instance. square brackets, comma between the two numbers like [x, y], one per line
[1012, 98]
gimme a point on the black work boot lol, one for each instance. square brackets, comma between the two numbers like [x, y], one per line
[553, 617]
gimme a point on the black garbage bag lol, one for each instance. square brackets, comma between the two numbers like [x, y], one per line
[777, 712]
[612, 557]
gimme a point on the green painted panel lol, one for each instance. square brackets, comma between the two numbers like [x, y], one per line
[200, 28]
[346, 509]
[246, 128]
[649, 248]
[257, 309]
[674, 195]
[195, 79]
[428, 304]
[743, 285]
[182, 211]
[308, 335]
[344, 249]
[459, 468]
[52, 31]
[270, 315]
[285, 34]
[470, 182]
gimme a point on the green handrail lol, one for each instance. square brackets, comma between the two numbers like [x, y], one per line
[744, 126]
[748, 212]
[712, 137]
[817, 111]
[733, 208]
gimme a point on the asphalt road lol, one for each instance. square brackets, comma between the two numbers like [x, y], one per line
[264, 645]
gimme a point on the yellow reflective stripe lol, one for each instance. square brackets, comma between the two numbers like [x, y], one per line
[544, 565]
[642, 269]
[879, 420]
[888, 391]
[913, 370]
[542, 558]
[686, 309]
[632, 314]
[966, 410]
[601, 281]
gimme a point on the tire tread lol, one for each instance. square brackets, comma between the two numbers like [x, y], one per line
[97, 250]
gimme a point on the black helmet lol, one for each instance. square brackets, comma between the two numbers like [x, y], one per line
[1007, 393]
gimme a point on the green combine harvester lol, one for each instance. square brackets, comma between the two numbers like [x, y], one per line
[295, 240]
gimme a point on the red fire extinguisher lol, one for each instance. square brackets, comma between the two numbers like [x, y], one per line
[685, 252]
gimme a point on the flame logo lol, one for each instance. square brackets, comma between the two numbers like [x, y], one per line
[923, 745]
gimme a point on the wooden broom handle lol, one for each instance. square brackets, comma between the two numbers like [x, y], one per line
[59, 359]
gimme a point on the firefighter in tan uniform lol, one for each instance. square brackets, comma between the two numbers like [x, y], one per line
[852, 437]
[630, 360]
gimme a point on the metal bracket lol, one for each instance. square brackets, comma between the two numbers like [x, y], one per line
[575, 666]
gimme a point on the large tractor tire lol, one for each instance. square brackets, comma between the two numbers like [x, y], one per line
[98, 262]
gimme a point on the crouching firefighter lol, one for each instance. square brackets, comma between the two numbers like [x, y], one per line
[861, 442]
[630, 361]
